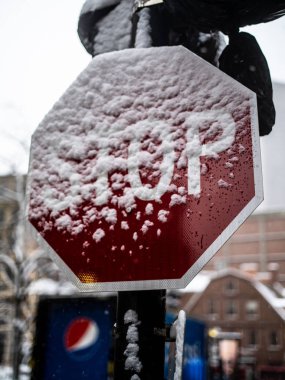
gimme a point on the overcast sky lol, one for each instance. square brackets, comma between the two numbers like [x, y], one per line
[41, 55]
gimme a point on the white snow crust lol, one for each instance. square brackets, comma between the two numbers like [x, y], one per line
[223, 183]
[92, 5]
[46, 286]
[121, 133]
[135, 377]
[180, 332]
[143, 36]
[149, 209]
[130, 316]
[114, 30]
[98, 235]
[131, 352]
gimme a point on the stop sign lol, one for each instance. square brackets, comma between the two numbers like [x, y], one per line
[143, 169]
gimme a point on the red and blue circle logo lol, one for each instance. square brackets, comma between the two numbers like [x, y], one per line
[81, 338]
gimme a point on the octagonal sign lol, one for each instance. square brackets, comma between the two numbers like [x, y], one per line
[143, 169]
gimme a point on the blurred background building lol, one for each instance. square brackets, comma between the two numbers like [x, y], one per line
[26, 272]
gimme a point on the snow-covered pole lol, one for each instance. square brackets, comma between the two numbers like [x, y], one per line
[139, 337]
[150, 24]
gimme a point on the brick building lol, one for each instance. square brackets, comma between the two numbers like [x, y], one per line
[242, 290]
[257, 243]
[237, 302]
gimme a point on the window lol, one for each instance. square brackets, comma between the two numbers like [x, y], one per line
[231, 309]
[211, 308]
[274, 340]
[231, 286]
[252, 309]
[252, 338]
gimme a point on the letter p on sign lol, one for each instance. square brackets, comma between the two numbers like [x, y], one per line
[222, 134]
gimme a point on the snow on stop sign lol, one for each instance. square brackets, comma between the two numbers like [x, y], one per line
[143, 169]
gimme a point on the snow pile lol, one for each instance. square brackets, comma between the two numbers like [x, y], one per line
[132, 362]
[46, 286]
[98, 235]
[5, 373]
[114, 30]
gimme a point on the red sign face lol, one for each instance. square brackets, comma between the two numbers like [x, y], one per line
[143, 169]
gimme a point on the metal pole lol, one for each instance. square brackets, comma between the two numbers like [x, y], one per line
[147, 348]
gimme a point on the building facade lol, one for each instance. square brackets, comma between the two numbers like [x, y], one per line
[239, 303]
[258, 243]
[244, 292]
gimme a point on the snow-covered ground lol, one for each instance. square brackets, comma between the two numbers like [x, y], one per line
[6, 373]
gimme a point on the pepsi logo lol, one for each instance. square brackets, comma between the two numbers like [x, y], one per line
[80, 338]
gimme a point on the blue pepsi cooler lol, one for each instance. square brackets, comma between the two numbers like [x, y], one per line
[74, 339]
